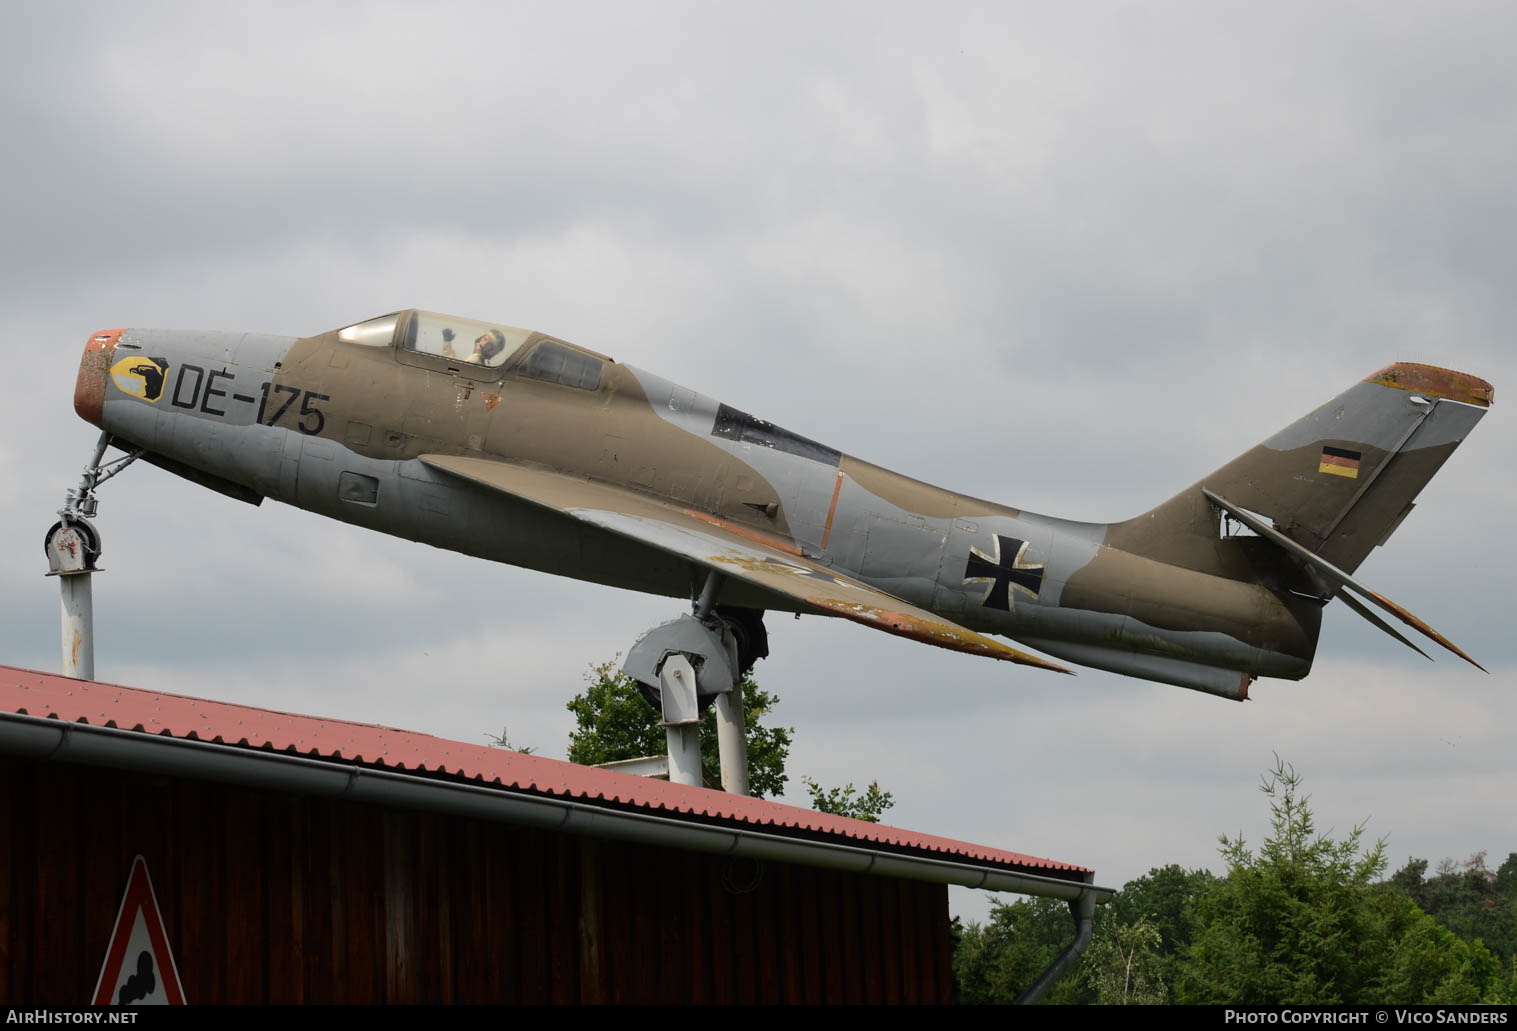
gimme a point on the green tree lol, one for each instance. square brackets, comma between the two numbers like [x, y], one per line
[998, 960]
[1411, 880]
[1503, 992]
[868, 805]
[613, 721]
[1304, 921]
[1468, 899]
[1164, 898]
[1424, 962]
[503, 740]
[1122, 965]
[1506, 878]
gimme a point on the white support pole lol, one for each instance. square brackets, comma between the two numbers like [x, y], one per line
[77, 605]
[682, 721]
[72, 546]
[684, 754]
[732, 730]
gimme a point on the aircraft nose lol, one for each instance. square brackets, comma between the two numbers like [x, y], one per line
[94, 367]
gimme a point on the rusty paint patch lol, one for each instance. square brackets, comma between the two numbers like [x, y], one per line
[94, 366]
[1422, 628]
[491, 400]
[832, 508]
[942, 634]
[766, 567]
[1436, 382]
[743, 531]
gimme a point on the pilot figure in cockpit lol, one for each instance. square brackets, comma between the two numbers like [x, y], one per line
[486, 348]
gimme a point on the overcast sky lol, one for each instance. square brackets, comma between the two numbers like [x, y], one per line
[1069, 257]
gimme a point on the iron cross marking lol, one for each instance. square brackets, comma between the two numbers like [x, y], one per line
[1004, 574]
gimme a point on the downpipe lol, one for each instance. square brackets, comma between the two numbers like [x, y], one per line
[1083, 909]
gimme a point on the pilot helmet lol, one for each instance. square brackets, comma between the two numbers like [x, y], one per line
[494, 343]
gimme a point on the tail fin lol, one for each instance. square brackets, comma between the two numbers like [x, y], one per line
[1338, 481]
[1335, 484]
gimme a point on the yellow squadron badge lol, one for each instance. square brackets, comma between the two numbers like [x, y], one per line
[140, 376]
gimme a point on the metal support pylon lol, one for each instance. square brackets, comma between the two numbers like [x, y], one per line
[72, 546]
[691, 658]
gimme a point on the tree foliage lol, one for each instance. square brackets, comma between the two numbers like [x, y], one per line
[503, 740]
[1304, 921]
[868, 805]
[998, 960]
[1506, 877]
[614, 722]
[1122, 965]
[1471, 900]
[1165, 899]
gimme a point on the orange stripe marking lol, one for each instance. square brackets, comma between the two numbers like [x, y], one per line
[832, 509]
[743, 531]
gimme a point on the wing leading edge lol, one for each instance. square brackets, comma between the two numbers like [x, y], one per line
[735, 551]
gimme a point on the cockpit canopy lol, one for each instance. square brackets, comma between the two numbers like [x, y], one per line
[424, 335]
[378, 332]
[443, 336]
[464, 339]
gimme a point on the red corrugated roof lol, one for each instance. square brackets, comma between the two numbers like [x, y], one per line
[81, 701]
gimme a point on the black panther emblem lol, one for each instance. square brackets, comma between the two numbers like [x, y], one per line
[150, 370]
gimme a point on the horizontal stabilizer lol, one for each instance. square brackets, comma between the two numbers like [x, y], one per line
[1369, 616]
[1337, 580]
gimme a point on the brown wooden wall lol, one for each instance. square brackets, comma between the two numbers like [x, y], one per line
[269, 897]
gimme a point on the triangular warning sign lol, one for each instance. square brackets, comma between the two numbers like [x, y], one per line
[139, 968]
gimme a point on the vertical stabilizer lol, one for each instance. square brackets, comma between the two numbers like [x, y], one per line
[1337, 481]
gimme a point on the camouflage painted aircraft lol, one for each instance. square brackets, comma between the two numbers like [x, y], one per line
[522, 448]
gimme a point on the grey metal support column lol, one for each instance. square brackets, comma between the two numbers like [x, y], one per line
[682, 720]
[71, 549]
[732, 729]
[72, 546]
[77, 604]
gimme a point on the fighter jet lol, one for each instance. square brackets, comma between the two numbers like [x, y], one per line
[523, 448]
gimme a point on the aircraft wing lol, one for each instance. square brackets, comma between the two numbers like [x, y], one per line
[733, 550]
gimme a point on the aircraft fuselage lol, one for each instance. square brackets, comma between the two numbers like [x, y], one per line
[337, 426]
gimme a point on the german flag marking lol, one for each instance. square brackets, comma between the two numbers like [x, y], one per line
[1337, 461]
